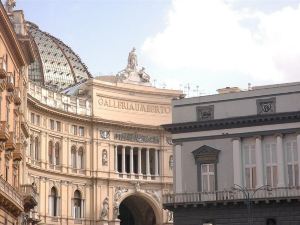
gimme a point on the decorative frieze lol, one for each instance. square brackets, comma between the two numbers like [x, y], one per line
[136, 138]
[266, 106]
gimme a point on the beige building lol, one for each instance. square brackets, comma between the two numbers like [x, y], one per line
[17, 197]
[96, 152]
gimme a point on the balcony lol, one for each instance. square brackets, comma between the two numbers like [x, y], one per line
[17, 154]
[4, 133]
[33, 217]
[3, 68]
[10, 199]
[17, 97]
[11, 143]
[10, 84]
[25, 127]
[224, 197]
[30, 196]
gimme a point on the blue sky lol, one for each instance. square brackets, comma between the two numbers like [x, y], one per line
[206, 43]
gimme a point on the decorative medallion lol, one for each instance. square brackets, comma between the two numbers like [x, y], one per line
[266, 106]
[169, 140]
[205, 113]
[105, 134]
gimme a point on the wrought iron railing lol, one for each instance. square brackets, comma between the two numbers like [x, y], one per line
[198, 197]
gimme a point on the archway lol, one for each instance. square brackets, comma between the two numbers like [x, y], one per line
[135, 210]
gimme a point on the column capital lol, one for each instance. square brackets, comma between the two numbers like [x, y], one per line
[236, 139]
[278, 135]
[258, 137]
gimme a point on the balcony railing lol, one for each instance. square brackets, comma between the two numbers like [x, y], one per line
[232, 195]
[3, 68]
[17, 97]
[11, 194]
[4, 133]
[10, 82]
[11, 144]
[30, 196]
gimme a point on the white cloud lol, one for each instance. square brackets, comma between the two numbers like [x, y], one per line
[213, 36]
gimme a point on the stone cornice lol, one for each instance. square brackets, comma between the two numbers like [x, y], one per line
[234, 122]
[11, 38]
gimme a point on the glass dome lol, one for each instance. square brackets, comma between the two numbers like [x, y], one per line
[57, 66]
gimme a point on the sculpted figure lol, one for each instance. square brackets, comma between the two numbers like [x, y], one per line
[105, 209]
[10, 4]
[132, 60]
[116, 212]
[104, 157]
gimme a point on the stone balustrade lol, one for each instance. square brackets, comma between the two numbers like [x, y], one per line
[10, 194]
[70, 104]
[231, 195]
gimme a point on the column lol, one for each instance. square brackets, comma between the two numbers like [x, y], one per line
[131, 160]
[147, 162]
[237, 161]
[156, 162]
[116, 158]
[259, 163]
[123, 160]
[280, 162]
[140, 161]
[298, 149]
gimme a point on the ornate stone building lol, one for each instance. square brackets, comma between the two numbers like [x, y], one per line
[17, 196]
[96, 151]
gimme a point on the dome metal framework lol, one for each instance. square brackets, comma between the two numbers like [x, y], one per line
[57, 66]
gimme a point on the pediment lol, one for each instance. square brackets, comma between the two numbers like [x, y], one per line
[206, 154]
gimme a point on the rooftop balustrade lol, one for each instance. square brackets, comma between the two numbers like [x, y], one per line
[67, 103]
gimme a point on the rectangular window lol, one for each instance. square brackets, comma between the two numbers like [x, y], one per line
[208, 177]
[270, 155]
[38, 120]
[249, 165]
[52, 124]
[74, 129]
[81, 131]
[32, 118]
[58, 126]
[292, 167]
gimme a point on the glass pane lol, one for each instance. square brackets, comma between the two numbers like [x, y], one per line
[246, 155]
[204, 183]
[269, 175]
[268, 157]
[296, 175]
[290, 175]
[253, 177]
[211, 182]
[204, 168]
[275, 180]
[211, 168]
[253, 154]
[247, 177]
[274, 153]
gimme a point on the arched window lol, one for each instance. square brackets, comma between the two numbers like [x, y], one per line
[77, 205]
[50, 152]
[73, 157]
[80, 158]
[56, 153]
[36, 148]
[53, 202]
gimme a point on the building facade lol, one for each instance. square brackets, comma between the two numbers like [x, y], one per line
[17, 197]
[97, 152]
[237, 157]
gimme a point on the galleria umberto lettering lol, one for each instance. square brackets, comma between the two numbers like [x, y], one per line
[132, 106]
